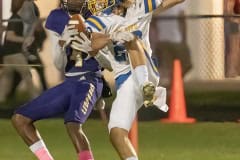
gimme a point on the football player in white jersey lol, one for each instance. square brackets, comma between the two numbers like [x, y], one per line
[142, 11]
[129, 98]
[111, 24]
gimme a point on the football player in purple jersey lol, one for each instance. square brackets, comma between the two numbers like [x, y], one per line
[74, 98]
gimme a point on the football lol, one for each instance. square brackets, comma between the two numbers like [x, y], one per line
[78, 21]
[237, 7]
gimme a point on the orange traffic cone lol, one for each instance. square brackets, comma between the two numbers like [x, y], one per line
[177, 109]
[133, 134]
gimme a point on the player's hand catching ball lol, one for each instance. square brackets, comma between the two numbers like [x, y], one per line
[68, 35]
[81, 43]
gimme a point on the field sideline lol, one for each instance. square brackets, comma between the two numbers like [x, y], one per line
[157, 141]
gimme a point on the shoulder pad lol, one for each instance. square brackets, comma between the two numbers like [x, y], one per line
[96, 22]
[57, 20]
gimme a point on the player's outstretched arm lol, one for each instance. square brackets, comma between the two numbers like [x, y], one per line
[90, 45]
[99, 40]
[166, 4]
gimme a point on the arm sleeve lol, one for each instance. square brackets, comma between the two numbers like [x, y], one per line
[58, 53]
[151, 5]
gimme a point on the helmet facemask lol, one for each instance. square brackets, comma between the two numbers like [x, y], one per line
[76, 7]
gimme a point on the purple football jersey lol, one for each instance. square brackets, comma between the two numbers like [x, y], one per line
[77, 95]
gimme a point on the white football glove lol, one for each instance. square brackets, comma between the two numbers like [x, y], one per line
[161, 98]
[68, 35]
[82, 43]
[122, 36]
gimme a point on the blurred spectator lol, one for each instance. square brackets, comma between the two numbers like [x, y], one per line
[170, 42]
[232, 35]
[30, 15]
[2, 38]
[12, 53]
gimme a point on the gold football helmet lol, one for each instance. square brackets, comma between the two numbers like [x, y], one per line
[96, 6]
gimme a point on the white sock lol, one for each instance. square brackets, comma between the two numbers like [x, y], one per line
[132, 158]
[141, 74]
[37, 145]
[40, 150]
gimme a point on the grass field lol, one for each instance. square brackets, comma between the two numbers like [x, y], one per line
[157, 141]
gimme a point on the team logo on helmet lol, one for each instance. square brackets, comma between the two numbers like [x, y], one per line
[96, 6]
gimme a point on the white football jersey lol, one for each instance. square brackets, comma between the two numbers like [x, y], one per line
[117, 53]
[141, 13]
[136, 20]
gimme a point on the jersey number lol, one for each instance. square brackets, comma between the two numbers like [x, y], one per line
[120, 53]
